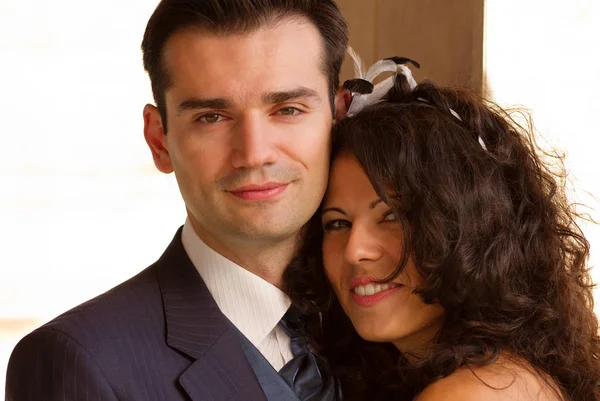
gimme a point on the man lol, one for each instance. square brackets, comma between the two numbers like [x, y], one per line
[245, 95]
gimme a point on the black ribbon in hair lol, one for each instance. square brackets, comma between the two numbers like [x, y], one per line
[364, 87]
[359, 85]
[404, 60]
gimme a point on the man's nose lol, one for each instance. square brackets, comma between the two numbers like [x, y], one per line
[254, 143]
[362, 245]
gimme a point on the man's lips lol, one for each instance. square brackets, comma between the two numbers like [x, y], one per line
[256, 192]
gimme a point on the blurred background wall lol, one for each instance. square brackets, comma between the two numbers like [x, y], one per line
[82, 207]
[444, 36]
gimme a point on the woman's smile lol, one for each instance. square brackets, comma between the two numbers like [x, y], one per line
[367, 291]
[362, 248]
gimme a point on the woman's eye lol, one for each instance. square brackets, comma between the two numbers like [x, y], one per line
[334, 225]
[389, 216]
[210, 118]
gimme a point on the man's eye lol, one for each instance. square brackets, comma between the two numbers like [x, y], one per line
[289, 111]
[210, 118]
[335, 225]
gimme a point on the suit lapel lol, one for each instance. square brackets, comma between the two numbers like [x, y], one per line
[196, 327]
[273, 385]
[227, 371]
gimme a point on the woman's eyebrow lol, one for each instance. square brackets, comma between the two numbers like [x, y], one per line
[376, 202]
[333, 209]
[373, 204]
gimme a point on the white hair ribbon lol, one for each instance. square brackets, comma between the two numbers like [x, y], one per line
[365, 93]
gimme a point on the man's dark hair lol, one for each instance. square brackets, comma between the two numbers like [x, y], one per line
[238, 17]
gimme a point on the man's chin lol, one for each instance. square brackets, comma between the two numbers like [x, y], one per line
[267, 231]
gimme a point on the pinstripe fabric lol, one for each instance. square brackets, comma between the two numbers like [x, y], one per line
[50, 350]
[158, 336]
[252, 304]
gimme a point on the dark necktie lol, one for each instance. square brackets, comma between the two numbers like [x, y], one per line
[307, 374]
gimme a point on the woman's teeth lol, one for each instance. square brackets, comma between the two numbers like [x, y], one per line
[370, 289]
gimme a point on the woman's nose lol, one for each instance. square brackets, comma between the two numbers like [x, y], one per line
[362, 245]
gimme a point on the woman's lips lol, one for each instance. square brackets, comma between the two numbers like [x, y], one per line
[368, 291]
[371, 294]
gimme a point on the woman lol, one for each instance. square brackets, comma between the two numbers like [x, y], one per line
[446, 262]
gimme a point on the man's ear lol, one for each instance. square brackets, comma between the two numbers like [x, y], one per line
[154, 134]
[342, 103]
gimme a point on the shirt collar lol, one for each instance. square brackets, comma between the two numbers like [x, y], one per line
[252, 304]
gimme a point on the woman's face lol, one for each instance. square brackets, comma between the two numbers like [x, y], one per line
[362, 244]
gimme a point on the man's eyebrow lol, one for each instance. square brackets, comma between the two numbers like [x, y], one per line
[296, 93]
[333, 209]
[195, 103]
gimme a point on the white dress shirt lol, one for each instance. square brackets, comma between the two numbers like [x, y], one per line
[252, 304]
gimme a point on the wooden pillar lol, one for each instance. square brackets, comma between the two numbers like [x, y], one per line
[361, 16]
[445, 36]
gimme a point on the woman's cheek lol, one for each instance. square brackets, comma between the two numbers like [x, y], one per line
[333, 262]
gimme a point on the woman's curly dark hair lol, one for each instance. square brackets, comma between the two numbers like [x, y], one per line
[491, 232]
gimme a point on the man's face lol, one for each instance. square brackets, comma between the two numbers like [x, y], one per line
[248, 135]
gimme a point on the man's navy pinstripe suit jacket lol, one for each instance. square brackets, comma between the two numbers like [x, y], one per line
[158, 336]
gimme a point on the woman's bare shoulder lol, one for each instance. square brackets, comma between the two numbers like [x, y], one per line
[503, 380]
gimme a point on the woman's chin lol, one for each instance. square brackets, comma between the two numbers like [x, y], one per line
[374, 333]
